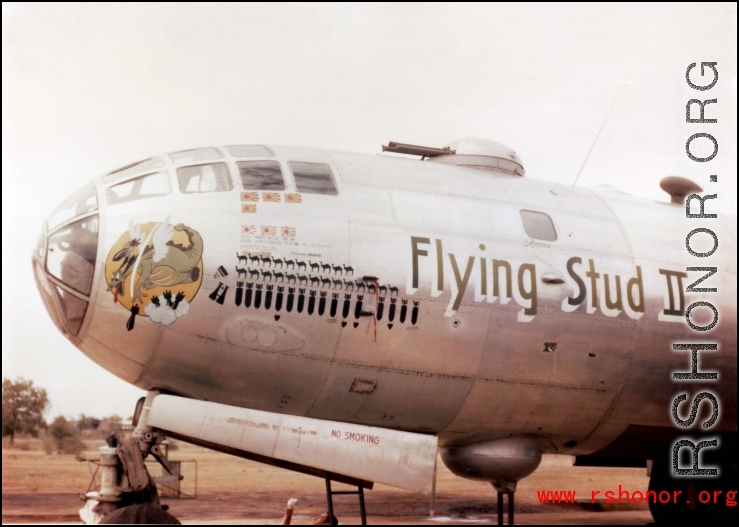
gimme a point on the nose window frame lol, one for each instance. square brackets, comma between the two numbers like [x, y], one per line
[59, 278]
[59, 297]
[252, 179]
[137, 183]
[222, 181]
[314, 178]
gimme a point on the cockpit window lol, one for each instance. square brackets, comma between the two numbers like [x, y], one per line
[313, 178]
[538, 225]
[148, 186]
[83, 201]
[134, 168]
[249, 151]
[47, 295]
[197, 154]
[72, 310]
[213, 177]
[261, 175]
[66, 310]
[70, 254]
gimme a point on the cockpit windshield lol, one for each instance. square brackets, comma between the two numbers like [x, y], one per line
[134, 168]
[66, 310]
[148, 186]
[213, 177]
[81, 202]
[71, 252]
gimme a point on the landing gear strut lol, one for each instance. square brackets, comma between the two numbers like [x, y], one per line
[500, 507]
[506, 488]
[128, 493]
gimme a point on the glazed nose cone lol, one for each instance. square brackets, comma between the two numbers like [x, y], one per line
[64, 260]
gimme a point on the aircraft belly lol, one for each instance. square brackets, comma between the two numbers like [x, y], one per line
[193, 366]
[562, 396]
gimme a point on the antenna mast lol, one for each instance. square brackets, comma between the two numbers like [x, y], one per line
[599, 130]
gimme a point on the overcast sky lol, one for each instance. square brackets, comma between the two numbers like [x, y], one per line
[88, 88]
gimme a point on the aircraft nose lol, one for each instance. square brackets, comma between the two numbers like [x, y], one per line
[64, 260]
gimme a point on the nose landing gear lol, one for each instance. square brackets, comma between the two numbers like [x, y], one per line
[128, 493]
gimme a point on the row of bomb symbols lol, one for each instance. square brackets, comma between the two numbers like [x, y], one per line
[393, 307]
[250, 293]
[265, 296]
[313, 281]
[295, 264]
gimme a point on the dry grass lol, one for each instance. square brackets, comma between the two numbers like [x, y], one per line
[34, 471]
[231, 489]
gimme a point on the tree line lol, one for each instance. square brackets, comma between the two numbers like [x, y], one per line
[24, 406]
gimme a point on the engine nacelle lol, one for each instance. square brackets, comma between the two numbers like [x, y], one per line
[502, 462]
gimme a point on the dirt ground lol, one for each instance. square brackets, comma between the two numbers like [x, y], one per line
[41, 488]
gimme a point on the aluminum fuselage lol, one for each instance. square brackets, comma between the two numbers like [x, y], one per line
[470, 363]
